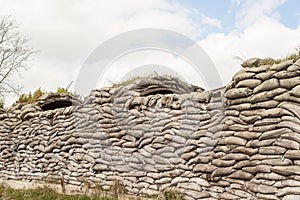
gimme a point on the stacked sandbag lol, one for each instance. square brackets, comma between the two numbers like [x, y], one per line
[139, 137]
[6, 144]
[262, 120]
[156, 134]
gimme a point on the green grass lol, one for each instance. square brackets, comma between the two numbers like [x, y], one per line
[172, 195]
[44, 194]
[271, 61]
[137, 78]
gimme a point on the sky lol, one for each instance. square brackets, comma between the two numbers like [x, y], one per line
[66, 32]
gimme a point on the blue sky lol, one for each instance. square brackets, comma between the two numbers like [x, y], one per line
[65, 32]
[226, 11]
[221, 10]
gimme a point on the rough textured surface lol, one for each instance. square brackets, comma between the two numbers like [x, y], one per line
[238, 142]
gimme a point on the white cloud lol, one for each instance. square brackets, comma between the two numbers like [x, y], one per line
[236, 2]
[252, 10]
[212, 22]
[265, 38]
[66, 31]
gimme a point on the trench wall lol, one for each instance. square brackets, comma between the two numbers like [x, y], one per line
[237, 142]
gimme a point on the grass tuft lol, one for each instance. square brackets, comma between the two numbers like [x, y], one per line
[43, 194]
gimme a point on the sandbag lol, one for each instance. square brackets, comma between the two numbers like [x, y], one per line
[267, 85]
[292, 154]
[261, 68]
[289, 83]
[288, 144]
[252, 62]
[235, 93]
[272, 150]
[264, 75]
[242, 75]
[282, 66]
[257, 169]
[295, 91]
[241, 175]
[286, 74]
[222, 171]
[295, 66]
[265, 104]
[274, 133]
[233, 140]
[249, 83]
[264, 189]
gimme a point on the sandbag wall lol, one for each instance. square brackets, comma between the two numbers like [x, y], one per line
[262, 137]
[237, 142]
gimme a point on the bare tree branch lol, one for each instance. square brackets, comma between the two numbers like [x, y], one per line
[14, 54]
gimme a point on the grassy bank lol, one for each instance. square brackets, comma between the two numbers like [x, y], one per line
[43, 194]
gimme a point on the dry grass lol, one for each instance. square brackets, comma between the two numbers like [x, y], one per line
[43, 194]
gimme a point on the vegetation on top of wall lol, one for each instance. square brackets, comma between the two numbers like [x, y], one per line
[33, 97]
[294, 55]
[137, 78]
[271, 61]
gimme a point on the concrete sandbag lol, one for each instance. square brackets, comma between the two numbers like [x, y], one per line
[265, 104]
[288, 144]
[289, 124]
[292, 154]
[289, 83]
[235, 156]
[286, 74]
[287, 170]
[274, 112]
[248, 135]
[287, 183]
[272, 134]
[276, 162]
[240, 174]
[240, 107]
[245, 150]
[291, 197]
[269, 177]
[264, 189]
[262, 96]
[264, 75]
[260, 143]
[290, 135]
[282, 66]
[258, 169]
[295, 91]
[239, 101]
[267, 85]
[249, 83]
[295, 66]
[204, 168]
[291, 107]
[222, 171]
[252, 62]
[233, 140]
[223, 163]
[250, 119]
[267, 121]
[275, 92]
[267, 196]
[242, 75]
[236, 93]
[258, 69]
[272, 150]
